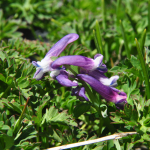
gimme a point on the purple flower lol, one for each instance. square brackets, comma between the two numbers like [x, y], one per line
[62, 76]
[79, 92]
[111, 82]
[44, 65]
[81, 61]
[106, 92]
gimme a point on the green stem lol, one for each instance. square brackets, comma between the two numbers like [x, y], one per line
[104, 14]
[143, 41]
[69, 68]
[144, 69]
[106, 52]
[18, 123]
[63, 92]
[117, 14]
[91, 96]
[133, 24]
[96, 105]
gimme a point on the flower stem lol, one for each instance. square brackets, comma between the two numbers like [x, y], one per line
[96, 105]
[69, 68]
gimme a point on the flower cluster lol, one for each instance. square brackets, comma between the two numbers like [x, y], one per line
[91, 71]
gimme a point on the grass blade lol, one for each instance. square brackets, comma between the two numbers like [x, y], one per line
[18, 123]
[133, 24]
[144, 69]
[117, 13]
[143, 41]
[98, 37]
[104, 14]
[96, 43]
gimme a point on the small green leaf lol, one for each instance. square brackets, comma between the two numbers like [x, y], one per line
[10, 132]
[147, 122]
[134, 92]
[81, 109]
[134, 116]
[56, 136]
[135, 62]
[1, 123]
[23, 82]
[2, 78]
[52, 116]
[115, 69]
[9, 80]
[9, 141]
[53, 58]
[5, 127]
[128, 110]
[2, 55]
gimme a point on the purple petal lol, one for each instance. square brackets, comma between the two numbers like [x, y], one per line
[121, 103]
[83, 71]
[112, 82]
[44, 64]
[106, 92]
[77, 60]
[61, 45]
[38, 74]
[79, 92]
[35, 63]
[62, 78]
[97, 74]
[56, 72]
[102, 67]
[82, 93]
[97, 55]
[116, 90]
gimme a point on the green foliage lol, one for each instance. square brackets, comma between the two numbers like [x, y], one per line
[47, 115]
[8, 28]
[52, 114]
[52, 117]
[58, 18]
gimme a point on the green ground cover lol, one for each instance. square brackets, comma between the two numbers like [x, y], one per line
[39, 114]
